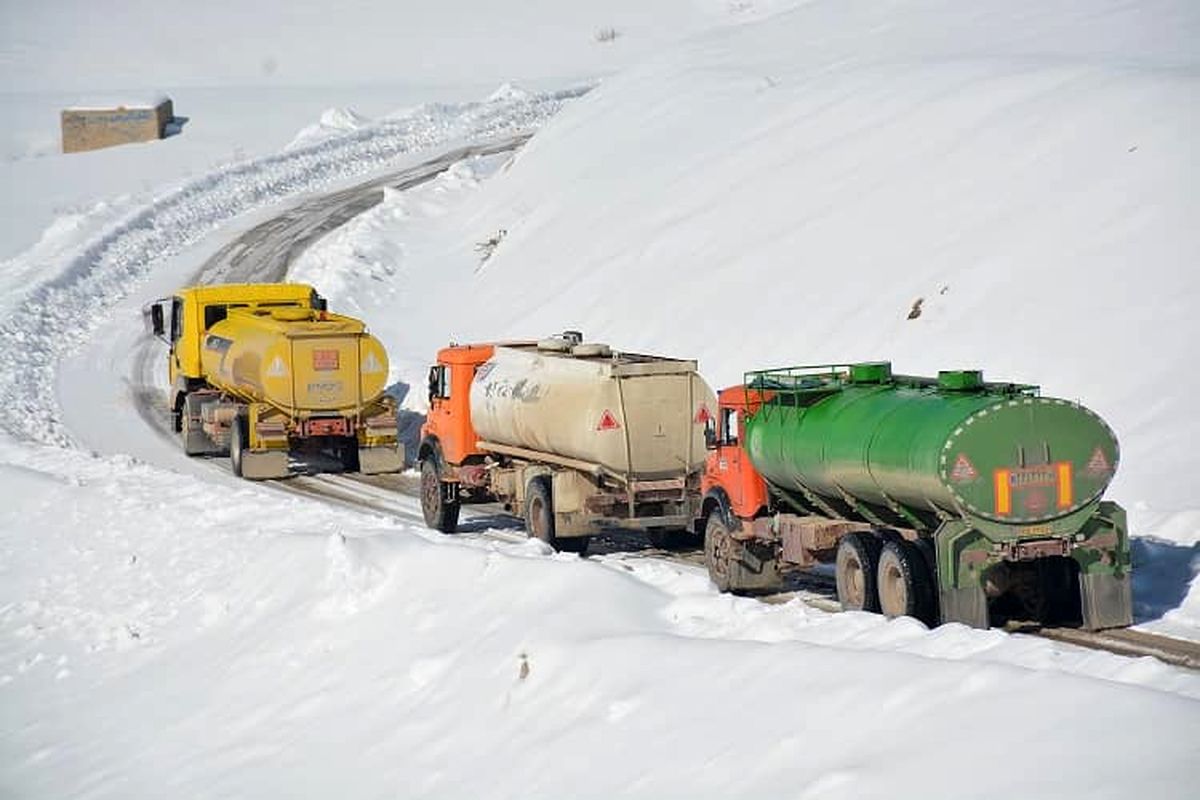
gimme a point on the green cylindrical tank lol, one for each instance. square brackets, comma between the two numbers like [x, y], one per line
[929, 447]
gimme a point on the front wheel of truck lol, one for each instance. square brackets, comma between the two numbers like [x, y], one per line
[440, 512]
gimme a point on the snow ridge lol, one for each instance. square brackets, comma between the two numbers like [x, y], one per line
[59, 315]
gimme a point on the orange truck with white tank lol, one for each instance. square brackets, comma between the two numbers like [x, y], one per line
[263, 370]
[572, 436]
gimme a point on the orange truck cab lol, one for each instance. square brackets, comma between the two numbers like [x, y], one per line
[448, 438]
[448, 434]
[730, 483]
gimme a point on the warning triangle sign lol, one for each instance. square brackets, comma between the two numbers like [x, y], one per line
[964, 471]
[607, 422]
[1098, 464]
[702, 416]
[277, 369]
[371, 364]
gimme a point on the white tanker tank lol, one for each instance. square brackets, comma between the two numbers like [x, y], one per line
[639, 417]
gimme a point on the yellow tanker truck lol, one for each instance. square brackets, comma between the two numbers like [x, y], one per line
[261, 370]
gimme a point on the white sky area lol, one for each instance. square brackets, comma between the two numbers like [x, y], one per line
[751, 184]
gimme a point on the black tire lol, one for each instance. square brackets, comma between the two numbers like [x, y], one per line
[539, 510]
[539, 518]
[194, 440]
[440, 514]
[903, 581]
[738, 566]
[348, 454]
[718, 551]
[856, 570]
[238, 438]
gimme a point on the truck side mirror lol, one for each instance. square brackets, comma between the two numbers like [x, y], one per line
[710, 436]
[434, 382]
[157, 327]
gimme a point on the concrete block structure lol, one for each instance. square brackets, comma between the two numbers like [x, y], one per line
[94, 128]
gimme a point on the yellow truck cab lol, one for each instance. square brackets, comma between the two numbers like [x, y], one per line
[261, 369]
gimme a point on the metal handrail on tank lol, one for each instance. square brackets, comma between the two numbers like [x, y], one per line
[784, 386]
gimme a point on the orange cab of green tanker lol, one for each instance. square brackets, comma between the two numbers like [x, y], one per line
[729, 477]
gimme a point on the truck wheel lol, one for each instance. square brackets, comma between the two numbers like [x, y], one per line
[539, 510]
[856, 569]
[238, 436]
[348, 454]
[737, 566]
[440, 514]
[718, 551]
[539, 518]
[195, 441]
[905, 588]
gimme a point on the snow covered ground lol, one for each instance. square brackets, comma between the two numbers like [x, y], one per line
[778, 190]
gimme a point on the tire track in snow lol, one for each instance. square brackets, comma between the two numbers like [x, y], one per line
[56, 317]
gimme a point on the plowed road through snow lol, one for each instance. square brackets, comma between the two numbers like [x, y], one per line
[265, 252]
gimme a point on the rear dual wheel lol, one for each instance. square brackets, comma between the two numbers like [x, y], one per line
[892, 578]
[855, 571]
[904, 583]
[539, 518]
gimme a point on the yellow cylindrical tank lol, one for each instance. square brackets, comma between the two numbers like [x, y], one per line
[298, 360]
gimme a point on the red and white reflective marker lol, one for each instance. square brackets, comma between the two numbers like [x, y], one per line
[964, 470]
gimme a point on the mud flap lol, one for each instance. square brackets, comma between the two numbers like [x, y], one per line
[378, 460]
[967, 605]
[1106, 600]
[265, 464]
[753, 568]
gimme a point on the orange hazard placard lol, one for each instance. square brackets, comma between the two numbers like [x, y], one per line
[607, 422]
[964, 470]
[325, 360]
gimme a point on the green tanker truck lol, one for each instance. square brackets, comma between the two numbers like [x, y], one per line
[948, 499]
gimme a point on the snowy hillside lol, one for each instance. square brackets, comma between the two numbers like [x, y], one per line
[751, 183]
